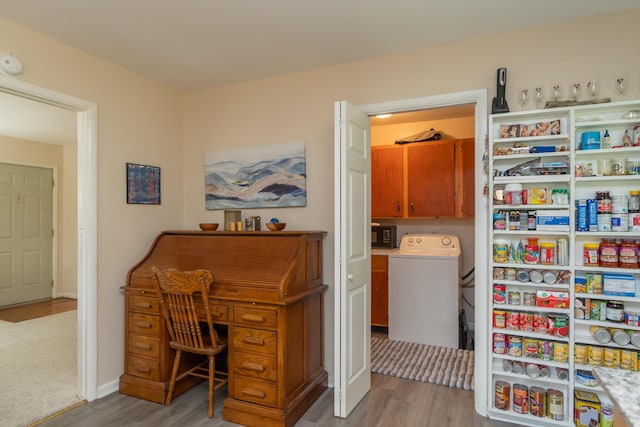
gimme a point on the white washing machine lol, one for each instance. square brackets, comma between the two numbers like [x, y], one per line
[424, 290]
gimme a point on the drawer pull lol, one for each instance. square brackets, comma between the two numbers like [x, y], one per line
[253, 393]
[253, 340]
[144, 370]
[143, 346]
[143, 305]
[144, 325]
[216, 314]
[253, 366]
[253, 318]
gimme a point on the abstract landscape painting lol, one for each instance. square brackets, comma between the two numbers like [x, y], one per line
[269, 176]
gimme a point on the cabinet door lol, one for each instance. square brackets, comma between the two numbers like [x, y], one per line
[387, 181]
[431, 179]
[379, 291]
[465, 176]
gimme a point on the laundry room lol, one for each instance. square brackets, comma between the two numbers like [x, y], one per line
[422, 210]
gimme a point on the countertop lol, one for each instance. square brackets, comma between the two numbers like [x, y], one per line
[386, 252]
[622, 386]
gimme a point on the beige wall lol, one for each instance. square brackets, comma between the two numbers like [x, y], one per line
[450, 129]
[143, 121]
[140, 121]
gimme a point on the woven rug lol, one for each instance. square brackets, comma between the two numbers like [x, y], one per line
[431, 364]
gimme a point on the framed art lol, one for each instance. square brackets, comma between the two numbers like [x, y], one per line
[143, 184]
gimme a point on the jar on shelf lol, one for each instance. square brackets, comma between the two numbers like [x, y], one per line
[615, 310]
[603, 210]
[609, 253]
[547, 253]
[628, 253]
[590, 254]
[634, 210]
[531, 251]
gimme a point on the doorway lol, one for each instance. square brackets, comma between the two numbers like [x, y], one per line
[479, 99]
[86, 118]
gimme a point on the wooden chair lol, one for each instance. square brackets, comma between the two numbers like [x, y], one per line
[176, 289]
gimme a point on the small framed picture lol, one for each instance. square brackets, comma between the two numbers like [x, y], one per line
[143, 184]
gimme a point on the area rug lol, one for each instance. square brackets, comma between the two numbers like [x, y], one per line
[420, 362]
[38, 370]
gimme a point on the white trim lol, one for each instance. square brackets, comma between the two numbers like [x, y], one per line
[87, 224]
[479, 98]
[108, 388]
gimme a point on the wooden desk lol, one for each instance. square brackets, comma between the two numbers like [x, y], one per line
[268, 290]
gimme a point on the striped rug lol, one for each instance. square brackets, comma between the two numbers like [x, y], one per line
[420, 362]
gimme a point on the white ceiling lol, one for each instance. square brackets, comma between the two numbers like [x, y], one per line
[197, 44]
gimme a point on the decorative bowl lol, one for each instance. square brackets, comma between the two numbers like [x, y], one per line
[278, 226]
[209, 226]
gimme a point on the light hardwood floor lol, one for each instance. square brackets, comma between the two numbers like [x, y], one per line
[32, 310]
[391, 402]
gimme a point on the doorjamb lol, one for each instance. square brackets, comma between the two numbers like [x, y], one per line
[87, 117]
[479, 99]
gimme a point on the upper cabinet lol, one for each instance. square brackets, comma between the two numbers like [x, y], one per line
[423, 180]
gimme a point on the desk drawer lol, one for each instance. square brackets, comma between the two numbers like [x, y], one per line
[142, 304]
[255, 391]
[145, 368]
[255, 366]
[144, 324]
[219, 312]
[258, 317]
[144, 346]
[254, 341]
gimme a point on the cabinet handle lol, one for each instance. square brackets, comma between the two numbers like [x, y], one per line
[253, 340]
[412, 206]
[145, 370]
[253, 366]
[253, 318]
[144, 325]
[216, 314]
[143, 346]
[143, 305]
[398, 206]
[253, 393]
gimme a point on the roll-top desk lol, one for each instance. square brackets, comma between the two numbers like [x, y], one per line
[268, 290]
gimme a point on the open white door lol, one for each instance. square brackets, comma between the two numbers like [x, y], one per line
[353, 261]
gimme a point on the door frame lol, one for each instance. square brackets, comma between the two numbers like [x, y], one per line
[479, 99]
[87, 118]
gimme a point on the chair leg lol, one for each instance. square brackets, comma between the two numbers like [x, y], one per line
[174, 374]
[212, 371]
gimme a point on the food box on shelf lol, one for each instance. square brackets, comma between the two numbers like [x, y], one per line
[619, 284]
[586, 408]
[552, 220]
[554, 299]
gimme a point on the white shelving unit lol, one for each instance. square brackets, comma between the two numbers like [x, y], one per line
[507, 152]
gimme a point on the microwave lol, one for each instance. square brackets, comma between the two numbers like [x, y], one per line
[383, 236]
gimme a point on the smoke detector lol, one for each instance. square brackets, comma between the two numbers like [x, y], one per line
[10, 64]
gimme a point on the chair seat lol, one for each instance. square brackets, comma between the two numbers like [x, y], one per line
[207, 350]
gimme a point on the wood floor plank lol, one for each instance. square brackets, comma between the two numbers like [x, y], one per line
[21, 312]
[390, 402]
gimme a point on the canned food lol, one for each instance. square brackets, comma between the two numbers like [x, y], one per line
[499, 294]
[629, 360]
[513, 320]
[555, 405]
[510, 273]
[532, 370]
[503, 391]
[540, 321]
[530, 347]
[499, 319]
[520, 398]
[612, 357]
[529, 298]
[537, 398]
[514, 297]
[580, 354]
[596, 355]
[500, 251]
[526, 322]
[560, 351]
[515, 346]
[499, 344]
[545, 349]
[498, 273]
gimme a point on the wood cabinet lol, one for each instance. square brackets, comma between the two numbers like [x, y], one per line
[380, 290]
[423, 180]
[267, 293]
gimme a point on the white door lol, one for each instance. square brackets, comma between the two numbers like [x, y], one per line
[26, 227]
[353, 260]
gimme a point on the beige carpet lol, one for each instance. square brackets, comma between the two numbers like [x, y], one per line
[38, 370]
[420, 362]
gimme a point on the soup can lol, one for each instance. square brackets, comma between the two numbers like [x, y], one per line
[499, 319]
[520, 398]
[513, 297]
[499, 344]
[560, 351]
[529, 298]
[580, 354]
[530, 347]
[537, 400]
[540, 323]
[546, 349]
[515, 346]
[499, 292]
[513, 320]
[503, 392]
[595, 355]
[526, 322]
